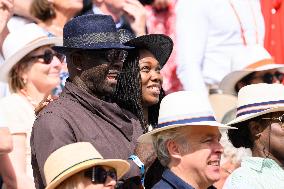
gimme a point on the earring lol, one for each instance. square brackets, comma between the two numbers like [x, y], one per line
[79, 69]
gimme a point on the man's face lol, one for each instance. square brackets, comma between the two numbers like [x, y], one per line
[202, 161]
[268, 76]
[273, 137]
[101, 69]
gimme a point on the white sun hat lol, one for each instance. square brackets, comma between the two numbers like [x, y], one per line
[74, 158]
[183, 108]
[258, 99]
[249, 59]
[21, 42]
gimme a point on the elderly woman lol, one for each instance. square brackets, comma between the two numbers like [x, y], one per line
[31, 69]
[260, 127]
[65, 169]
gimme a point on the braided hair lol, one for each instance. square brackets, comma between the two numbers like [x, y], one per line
[128, 93]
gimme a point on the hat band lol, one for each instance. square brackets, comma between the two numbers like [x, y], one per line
[91, 38]
[260, 63]
[186, 121]
[258, 107]
[72, 167]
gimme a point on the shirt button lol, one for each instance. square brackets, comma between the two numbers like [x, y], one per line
[273, 26]
[273, 11]
[272, 42]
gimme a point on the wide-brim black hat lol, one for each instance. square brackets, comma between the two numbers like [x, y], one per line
[159, 45]
[90, 32]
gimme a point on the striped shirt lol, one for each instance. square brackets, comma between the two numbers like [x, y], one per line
[256, 173]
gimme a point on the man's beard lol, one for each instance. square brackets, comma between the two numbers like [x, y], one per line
[96, 80]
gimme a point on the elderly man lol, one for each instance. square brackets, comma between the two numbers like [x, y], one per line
[82, 113]
[187, 142]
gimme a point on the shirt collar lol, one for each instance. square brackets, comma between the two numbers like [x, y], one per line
[263, 165]
[174, 180]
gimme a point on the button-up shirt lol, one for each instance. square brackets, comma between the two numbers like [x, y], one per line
[256, 173]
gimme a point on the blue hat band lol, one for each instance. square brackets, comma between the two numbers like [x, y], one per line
[258, 107]
[91, 39]
[186, 121]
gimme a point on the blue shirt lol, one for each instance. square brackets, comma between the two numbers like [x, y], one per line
[171, 181]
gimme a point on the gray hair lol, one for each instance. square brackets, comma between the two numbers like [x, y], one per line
[161, 139]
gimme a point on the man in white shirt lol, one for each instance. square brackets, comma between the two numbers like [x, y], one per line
[208, 32]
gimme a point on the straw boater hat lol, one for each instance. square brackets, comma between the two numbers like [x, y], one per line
[183, 108]
[90, 32]
[21, 42]
[74, 158]
[250, 59]
[258, 99]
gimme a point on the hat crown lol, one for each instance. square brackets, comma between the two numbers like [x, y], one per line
[184, 105]
[18, 39]
[249, 55]
[68, 156]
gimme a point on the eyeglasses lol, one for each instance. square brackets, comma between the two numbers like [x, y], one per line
[48, 56]
[112, 55]
[268, 77]
[279, 120]
[98, 174]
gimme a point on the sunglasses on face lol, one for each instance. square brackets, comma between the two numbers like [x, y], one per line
[48, 55]
[269, 77]
[98, 174]
[279, 120]
[112, 55]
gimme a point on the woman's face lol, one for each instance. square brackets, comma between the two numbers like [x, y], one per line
[41, 74]
[151, 78]
[108, 184]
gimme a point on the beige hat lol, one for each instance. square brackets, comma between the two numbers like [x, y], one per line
[221, 104]
[183, 108]
[21, 42]
[250, 59]
[258, 99]
[73, 158]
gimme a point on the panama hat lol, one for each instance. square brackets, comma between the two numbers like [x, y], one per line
[90, 32]
[258, 99]
[74, 158]
[183, 108]
[21, 42]
[250, 59]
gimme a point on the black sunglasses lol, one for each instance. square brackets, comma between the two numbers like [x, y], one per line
[269, 77]
[111, 55]
[98, 174]
[48, 56]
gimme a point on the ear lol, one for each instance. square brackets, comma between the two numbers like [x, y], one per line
[255, 129]
[77, 60]
[174, 149]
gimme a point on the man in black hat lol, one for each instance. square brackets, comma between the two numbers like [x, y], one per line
[94, 58]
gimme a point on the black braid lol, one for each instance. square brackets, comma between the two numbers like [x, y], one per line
[128, 94]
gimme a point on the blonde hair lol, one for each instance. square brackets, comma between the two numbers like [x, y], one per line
[73, 182]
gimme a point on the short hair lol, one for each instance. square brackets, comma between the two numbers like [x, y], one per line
[42, 9]
[74, 182]
[15, 80]
[246, 80]
[161, 139]
[242, 137]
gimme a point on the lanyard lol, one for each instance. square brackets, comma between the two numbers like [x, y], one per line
[241, 25]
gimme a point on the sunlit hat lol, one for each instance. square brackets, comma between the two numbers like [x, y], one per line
[21, 42]
[250, 59]
[183, 108]
[90, 32]
[74, 158]
[258, 99]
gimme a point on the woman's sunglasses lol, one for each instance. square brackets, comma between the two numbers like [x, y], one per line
[48, 55]
[98, 174]
[269, 77]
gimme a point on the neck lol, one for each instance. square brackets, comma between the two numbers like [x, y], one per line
[115, 14]
[33, 95]
[263, 152]
[145, 112]
[189, 177]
